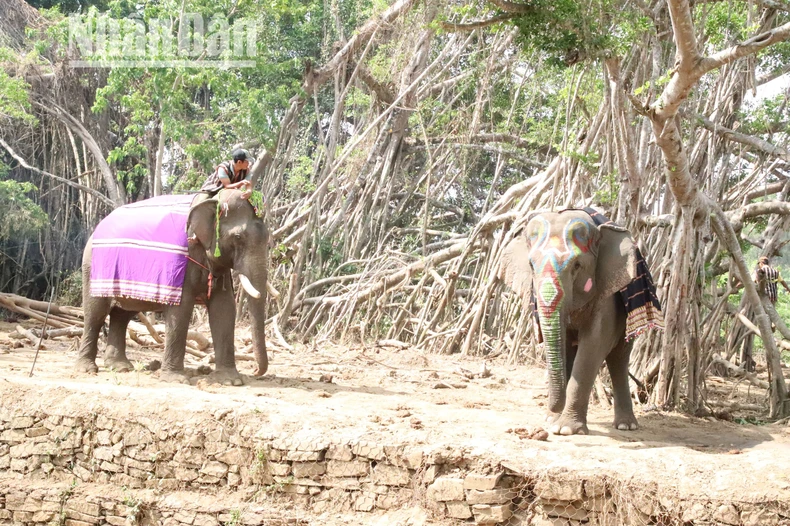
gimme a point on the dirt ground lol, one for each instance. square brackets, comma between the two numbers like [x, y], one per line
[403, 396]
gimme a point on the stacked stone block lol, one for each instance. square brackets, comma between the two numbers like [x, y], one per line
[230, 453]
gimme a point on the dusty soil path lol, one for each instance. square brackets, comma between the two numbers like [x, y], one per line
[388, 395]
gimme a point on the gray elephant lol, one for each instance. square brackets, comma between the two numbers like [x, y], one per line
[592, 293]
[208, 238]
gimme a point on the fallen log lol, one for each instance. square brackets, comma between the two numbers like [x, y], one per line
[55, 333]
[53, 320]
[67, 321]
[41, 306]
[737, 406]
[200, 340]
[145, 321]
[738, 372]
[28, 335]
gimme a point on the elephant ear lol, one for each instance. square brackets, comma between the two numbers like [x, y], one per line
[201, 222]
[514, 267]
[616, 259]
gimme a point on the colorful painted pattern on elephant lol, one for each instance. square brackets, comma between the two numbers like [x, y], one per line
[549, 256]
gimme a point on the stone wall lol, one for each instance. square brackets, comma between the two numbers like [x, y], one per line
[47, 461]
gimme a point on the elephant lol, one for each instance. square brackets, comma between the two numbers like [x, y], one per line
[240, 242]
[573, 270]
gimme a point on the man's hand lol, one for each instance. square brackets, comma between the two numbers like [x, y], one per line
[246, 189]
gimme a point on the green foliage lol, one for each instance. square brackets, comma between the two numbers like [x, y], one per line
[22, 217]
[14, 103]
[659, 82]
[299, 179]
[203, 112]
[607, 195]
[256, 200]
[68, 6]
[566, 30]
[71, 289]
[764, 115]
[725, 23]
[331, 251]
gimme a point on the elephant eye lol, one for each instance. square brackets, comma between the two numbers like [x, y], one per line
[577, 265]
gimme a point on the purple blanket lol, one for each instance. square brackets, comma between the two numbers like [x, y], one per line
[140, 251]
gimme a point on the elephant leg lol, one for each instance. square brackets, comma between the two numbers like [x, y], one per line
[573, 419]
[177, 318]
[115, 353]
[222, 320]
[617, 362]
[570, 356]
[95, 312]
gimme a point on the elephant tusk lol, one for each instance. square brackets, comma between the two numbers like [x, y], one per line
[272, 291]
[248, 288]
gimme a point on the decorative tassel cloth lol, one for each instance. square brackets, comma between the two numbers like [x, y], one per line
[140, 251]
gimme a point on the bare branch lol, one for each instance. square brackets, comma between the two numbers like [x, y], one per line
[737, 217]
[747, 140]
[116, 191]
[471, 26]
[316, 77]
[774, 4]
[771, 189]
[513, 7]
[103, 198]
[383, 91]
[775, 74]
[746, 48]
[685, 39]
[483, 138]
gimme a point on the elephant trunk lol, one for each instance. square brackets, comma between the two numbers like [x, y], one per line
[552, 325]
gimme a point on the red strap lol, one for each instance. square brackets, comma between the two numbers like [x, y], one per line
[210, 276]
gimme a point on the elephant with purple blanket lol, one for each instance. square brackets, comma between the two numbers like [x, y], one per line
[164, 255]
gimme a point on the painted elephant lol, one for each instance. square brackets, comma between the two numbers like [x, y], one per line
[240, 242]
[574, 270]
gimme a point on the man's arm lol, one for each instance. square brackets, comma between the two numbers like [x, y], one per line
[224, 178]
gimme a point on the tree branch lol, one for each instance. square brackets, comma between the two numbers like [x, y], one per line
[728, 237]
[687, 53]
[775, 74]
[116, 191]
[748, 47]
[103, 198]
[747, 140]
[314, 78]
[738, 216]
[483, 138]
[770, 189]
[383, 91]
[513, 7]
[774, 4]
[471, 26]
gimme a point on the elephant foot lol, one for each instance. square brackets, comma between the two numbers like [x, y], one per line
[86, 365]
[565, 425]
[119, 365]
[626, 423]
[226, 377]
[552, 416]
[175, 377]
